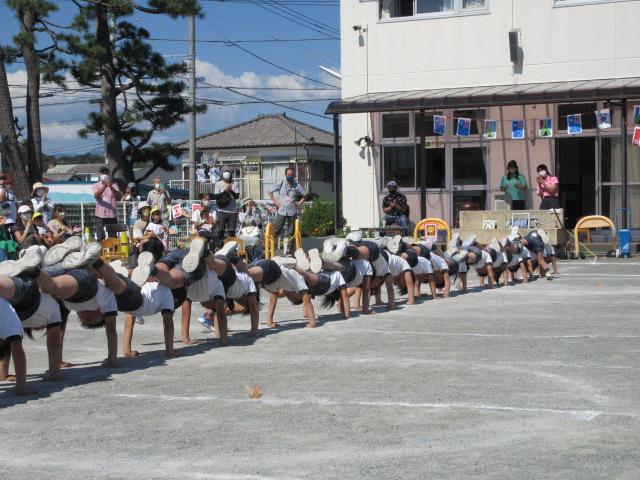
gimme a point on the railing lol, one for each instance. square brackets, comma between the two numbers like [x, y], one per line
[256, 188]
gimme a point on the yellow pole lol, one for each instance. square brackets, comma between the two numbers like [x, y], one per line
[298, 234]
[124, 243]
[269, 242]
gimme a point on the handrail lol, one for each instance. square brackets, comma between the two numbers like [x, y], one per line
[594, 221]
[439, 221]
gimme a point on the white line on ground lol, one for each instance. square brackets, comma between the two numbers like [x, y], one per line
[405, 332]
[581, 414]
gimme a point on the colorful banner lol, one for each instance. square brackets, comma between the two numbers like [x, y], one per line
[636, 114]
[176, 211]
[431, 231]
[603, 118]
[490, 129]
[517, 129]
[574, 124]
[439, 124]
[464, 127]
[545, 127]
[636, 136]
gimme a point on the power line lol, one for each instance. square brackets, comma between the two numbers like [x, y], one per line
[276, 39]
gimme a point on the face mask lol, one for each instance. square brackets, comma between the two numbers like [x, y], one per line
[40, 192]
[512, 171]
[26, 216]
[157, 186]
[543, 173]
[61, 215]
[392, 191]
[290, 178]
[226, 175]
[104, 178]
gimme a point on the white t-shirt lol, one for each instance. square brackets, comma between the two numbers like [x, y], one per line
[197, 217]
[337, 281]
[526, 254]
[516, 258]
[381, 266]
[501, 259]
[47, 314]
[483, 260]
[289, 281]
[10, 325]
[156, 298]
[398, 265]
[104, 301]
[205, 289]
[243, 285]
[438, 263]
[363, 269]
[423, 267]
[549, 250]
[156, 228]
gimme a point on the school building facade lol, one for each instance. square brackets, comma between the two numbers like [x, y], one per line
[406, 61]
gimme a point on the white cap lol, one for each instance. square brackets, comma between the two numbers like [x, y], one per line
[24, 208]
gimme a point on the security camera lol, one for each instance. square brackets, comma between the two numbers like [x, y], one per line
[357, 28]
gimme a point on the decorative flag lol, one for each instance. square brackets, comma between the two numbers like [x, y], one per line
[269, 207]
[636, 136]
[490, 129]
[176, 211]
[636, 114]
[464, 127]
[195, 207]
[574, 124]
[439, 124]
[517, 128]
[545, 127]
[603, 118]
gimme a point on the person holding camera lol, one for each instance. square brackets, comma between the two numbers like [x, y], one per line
[159, 198]
[548, 188]
[106, 194]
[290, 197]
[225, 194]
[394, 207]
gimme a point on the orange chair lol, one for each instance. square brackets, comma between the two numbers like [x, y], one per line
[112, 250]
[241, 251]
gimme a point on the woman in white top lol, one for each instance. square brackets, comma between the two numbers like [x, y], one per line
[40, 202]
[132, 195]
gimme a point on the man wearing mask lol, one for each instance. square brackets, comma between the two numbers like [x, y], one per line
[548, 188]
[394, 207]
[225, 194]
[287, 191]
[106, 194]
[159, 198]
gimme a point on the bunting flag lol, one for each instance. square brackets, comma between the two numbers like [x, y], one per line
[464, 127]
[490, 129]
[545, 127]
[603, 118]
[574, 124]
[517, 129]
[269, 207]
[636, 136]
[636, 114]
[439, 124]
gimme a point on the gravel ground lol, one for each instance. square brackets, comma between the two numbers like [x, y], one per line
[529, 381]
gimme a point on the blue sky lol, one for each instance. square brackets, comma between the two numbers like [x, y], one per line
[314, 24]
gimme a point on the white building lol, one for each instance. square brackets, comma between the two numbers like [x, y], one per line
[453, 58]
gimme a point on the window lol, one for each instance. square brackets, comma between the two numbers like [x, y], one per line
[435, 167]
[473, 115]
[399, 165]
[424, 8]
[586, 109]
[428, 124]
[395, 125]
[468, 166]
[320, 171]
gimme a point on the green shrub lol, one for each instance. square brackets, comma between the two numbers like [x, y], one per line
[317, 219]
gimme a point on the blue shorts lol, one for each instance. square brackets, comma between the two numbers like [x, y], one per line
[270, 271]
[131, 298]
[26, 300]
[174, 258]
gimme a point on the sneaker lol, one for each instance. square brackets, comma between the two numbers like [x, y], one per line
[514, 234]
[196, 251]
[85, 258]
[469, 242]
[355, 236]
[57, 253]
[24, 266]
[428, 243]
[315, 261]
[302, 261]
[505, 242]
[206, 322]
[329, 244]
[228, 249]
[382, 242]
[455, 241]
[140, 320]
[495, 244]
[338, 251]
[548, 275]
[142, 272]
[543, 236]
[460, 256]
[121, 269]
[451, 252]
[287, 262]
[395, 244]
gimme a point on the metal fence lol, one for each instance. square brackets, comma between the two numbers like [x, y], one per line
[256, 188]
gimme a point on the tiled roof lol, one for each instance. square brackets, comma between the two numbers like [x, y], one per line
[271, 130]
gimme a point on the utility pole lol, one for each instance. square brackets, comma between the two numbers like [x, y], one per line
[192, 115]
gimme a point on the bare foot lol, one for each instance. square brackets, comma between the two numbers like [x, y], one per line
[273, 325]
[410, 303]
[391, 307]
[312, 325]
[132, 353]
[175, 353]
[369, 312]
[225, 342]
[108, 364]
[66, 365]
[26, 391]
[190, 342]
[357, 307]
[9, 378]
[256, 334]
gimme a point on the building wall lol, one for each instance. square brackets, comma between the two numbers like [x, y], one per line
[559, 43]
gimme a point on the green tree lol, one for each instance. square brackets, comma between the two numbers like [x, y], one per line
[140, 93]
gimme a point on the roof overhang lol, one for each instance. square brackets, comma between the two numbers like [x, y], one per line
[467, 97]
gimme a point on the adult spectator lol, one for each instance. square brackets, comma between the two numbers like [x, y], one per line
[24, 231]
[132, 195]
[41, 204]
[225, 194]
[106, 194]
[60, 227]
[290, 196]
[514, 183]
[250, 228]
[8, 197]
[394, 206]
[8, 245]
[159, 198]
[548, 188]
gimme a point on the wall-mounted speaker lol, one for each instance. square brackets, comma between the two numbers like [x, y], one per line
[513, 46]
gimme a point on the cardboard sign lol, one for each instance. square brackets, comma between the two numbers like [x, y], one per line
[636, 136]
[431, 231]
[176, 211]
